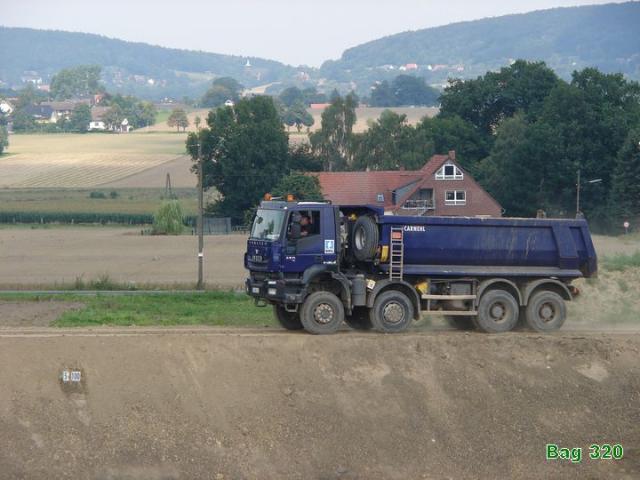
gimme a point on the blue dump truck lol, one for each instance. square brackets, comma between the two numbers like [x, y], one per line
[320, 265]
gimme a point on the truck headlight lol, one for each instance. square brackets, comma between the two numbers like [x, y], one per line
[272, 291]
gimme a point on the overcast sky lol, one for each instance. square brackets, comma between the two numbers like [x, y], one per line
[295, 32]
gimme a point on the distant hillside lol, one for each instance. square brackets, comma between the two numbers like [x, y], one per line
[128, 67]
[604, 36]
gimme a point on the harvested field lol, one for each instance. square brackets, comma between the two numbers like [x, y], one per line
[83, 160]
[127, 200]
[47, 257]
[243, 404]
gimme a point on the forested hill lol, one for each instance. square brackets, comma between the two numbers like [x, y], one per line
[603, 36]
[128, 67]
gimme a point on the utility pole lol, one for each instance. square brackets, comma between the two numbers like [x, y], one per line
[200, 221]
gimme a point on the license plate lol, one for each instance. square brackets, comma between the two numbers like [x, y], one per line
[255, 290]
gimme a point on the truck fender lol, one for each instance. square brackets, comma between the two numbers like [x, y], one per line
[405, 288]
[510, 286]
[317, 270]
[555, 285]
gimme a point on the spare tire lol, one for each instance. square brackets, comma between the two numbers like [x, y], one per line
[365, 238]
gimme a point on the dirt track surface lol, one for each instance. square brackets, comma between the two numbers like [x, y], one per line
[244, 404]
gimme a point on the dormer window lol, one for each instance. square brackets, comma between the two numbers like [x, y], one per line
[449, 172]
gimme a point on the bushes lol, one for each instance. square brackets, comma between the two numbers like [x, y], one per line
[169, 220]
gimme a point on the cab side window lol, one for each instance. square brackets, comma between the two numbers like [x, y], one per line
[304, 224]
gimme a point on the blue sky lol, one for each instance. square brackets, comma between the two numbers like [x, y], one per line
[295, 32]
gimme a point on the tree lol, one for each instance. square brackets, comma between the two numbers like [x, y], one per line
[113, 117]
[390, 143]
[221, 90]
[302, 187]
[80, 118]
[80, 81]
[382, 95]
[487, 100]
[625, 193]
[23, 122]
[245, 153]
[290, 96]
[592, 116]
[4, 138]
[516, 172]
[453, 133]
[334, 141]
[169, 220]
[138, 113]
[297, 115]
[178, 119]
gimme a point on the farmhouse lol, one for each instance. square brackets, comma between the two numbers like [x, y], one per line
[442, 187]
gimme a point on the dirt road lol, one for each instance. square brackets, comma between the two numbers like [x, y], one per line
[244, 404]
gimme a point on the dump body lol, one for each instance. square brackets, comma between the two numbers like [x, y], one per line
[458, 246]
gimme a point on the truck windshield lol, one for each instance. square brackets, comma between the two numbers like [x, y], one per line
[267, 224]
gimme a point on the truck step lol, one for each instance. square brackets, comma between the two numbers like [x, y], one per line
[449, 312]
[448, 297]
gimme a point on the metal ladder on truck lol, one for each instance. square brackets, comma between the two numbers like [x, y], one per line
[396, 253]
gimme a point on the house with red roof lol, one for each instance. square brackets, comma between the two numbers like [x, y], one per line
[442, 187]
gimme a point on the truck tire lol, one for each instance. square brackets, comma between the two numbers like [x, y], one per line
[392, 312]
[288, 320]
[365, 238]
[546, 311]
[359, 319]
[498, 312]
[460, 322]
[322, 313]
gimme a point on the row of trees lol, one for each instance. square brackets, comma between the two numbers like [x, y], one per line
[522, 132]
[404, 90]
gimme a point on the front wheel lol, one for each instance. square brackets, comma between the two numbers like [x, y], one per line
[546, 311]
[288, 320]
[392, 312]
[322, 313]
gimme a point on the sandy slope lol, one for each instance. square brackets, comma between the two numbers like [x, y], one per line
[242, 404]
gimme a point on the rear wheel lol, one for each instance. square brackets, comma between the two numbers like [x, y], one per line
[461, 322]
[359, 319]
[497, 312]
[392, 312]
[288, 320]
[322, 313]
[546, 311]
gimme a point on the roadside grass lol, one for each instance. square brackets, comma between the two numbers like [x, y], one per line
[174, 309]
[621, 261]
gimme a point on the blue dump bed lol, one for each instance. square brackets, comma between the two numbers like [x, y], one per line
[514, 247]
